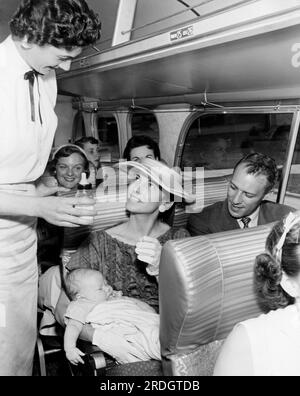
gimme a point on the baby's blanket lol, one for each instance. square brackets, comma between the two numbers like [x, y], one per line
[126, 329]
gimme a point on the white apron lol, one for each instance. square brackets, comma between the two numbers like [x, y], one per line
[18, 289]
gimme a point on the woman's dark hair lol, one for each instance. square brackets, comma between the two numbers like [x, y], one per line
[139, 141]
[65, 152]
[60, 23]
[268, 269]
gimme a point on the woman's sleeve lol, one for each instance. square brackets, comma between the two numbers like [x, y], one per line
[88, 254]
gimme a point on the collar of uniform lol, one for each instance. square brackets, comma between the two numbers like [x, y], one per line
[16, 62]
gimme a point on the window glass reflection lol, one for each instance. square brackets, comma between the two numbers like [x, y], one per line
[145, 124]
[108, 139]
[218, 141]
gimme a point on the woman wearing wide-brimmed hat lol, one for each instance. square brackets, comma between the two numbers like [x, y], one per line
[128, 254]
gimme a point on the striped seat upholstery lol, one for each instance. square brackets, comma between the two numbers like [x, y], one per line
[213, 190]
[205, 288]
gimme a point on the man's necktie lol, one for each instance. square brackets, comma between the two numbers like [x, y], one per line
[30, 76]
[246, 221]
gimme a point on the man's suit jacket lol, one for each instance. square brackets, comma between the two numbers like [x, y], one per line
[216, 217]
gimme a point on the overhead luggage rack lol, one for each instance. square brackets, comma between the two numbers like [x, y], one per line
[216, 51]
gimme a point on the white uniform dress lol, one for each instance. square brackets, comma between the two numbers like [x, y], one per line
[275, 342]
[24, 150]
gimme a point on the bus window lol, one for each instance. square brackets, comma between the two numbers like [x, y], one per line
[78, 128]
[218, 141]
[109, 139]
[145, 124]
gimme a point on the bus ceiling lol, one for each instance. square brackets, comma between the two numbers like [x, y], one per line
[246, 51]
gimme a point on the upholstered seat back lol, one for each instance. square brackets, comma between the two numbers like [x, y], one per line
[205, 288]
[207, 192]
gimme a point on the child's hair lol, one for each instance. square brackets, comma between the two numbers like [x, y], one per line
[73, 281]
[269, 267]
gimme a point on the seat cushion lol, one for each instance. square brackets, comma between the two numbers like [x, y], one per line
[137, 369]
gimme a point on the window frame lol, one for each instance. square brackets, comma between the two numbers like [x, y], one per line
[108, 114]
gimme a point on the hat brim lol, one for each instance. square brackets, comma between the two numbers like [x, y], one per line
[167, 178]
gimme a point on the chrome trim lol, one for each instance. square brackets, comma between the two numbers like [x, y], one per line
[289, 159]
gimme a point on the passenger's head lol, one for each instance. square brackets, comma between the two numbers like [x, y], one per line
[91, 147]
[213, 152]
[52, 32]
[253, 177]
[277, 271]
[154, 187]
[87, 283]
[139, 147]
[68, 164]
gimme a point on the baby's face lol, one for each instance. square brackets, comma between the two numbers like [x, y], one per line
[94, 288]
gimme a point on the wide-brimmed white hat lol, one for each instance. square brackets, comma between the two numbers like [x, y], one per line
[169, 180]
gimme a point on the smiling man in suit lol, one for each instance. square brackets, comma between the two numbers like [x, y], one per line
[253, 177]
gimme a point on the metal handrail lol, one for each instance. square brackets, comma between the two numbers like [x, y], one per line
[242, 2]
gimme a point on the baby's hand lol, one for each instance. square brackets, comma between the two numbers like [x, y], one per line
[148, 249]
[73, 355]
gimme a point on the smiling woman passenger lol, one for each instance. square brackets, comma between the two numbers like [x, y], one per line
[69, 162]
[66, 168]
[128, 254]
